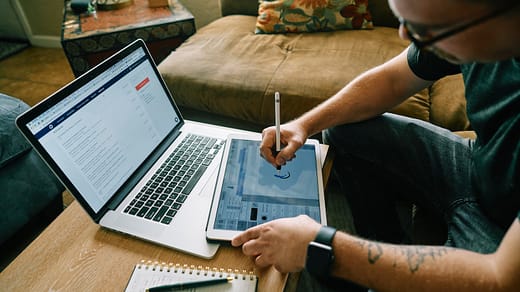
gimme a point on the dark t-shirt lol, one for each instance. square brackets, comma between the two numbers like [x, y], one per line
[493, 108]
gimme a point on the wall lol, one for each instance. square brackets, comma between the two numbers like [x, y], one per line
[204, 11]
[41, 19]
[43, 16]
[10, 24]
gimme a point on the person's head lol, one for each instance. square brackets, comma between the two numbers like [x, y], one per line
[462, 30]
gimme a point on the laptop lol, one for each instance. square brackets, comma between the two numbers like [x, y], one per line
[117, 141]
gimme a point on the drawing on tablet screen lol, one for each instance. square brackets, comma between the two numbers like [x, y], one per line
[253, 192]
[285, 175]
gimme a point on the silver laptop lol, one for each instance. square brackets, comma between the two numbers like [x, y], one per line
[117, 141]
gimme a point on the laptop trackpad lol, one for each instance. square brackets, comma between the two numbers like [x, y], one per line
[132, 225]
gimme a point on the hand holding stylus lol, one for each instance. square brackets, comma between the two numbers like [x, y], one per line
[290, 135]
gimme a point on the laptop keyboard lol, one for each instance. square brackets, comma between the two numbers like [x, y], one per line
[163, 195]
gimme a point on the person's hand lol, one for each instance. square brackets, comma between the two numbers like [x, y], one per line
[292, 137]
[281, 243]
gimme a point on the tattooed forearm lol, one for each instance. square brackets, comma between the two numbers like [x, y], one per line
[414, 256]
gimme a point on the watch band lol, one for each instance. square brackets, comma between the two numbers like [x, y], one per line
[325, 235]
[320, 255]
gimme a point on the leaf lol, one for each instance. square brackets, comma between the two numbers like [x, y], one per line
[294, 17]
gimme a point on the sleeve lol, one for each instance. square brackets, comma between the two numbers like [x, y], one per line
[428, 66]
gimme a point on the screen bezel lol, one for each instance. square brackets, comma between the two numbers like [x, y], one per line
[65, 91]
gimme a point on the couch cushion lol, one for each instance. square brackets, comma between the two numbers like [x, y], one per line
[226, 69]
[417, 106]
[27, 185]
[244, 7]
[281, 16]
[12, 143]
[448, 104]
[381, 14]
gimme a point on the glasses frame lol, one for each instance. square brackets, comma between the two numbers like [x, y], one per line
[425, 41]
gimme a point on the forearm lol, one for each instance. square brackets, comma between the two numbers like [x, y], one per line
[387, 267]
[372, 93]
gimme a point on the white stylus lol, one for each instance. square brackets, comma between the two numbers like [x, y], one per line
[277, 125]
[277, 119]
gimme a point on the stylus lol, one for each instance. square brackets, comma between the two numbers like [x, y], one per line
[277, 124]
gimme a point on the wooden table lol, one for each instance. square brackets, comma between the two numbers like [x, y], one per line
[88, 39]
[75, 254]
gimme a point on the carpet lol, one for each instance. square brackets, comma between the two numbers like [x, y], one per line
[9, 48]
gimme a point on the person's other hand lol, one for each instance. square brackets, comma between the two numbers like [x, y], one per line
[292, 137]
[281, 243]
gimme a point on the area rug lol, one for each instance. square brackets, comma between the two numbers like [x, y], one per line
[9, 48]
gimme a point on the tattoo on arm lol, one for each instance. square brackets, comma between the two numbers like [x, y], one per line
[374, 250]
[415, 255]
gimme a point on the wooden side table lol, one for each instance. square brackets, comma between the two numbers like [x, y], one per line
[89, 39]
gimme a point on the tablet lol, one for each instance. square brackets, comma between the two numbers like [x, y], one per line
[250, 191]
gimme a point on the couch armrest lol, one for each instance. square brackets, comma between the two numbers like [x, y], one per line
[27, 185]
[244, 7]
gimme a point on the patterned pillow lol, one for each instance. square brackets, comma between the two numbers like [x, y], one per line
[280, 16]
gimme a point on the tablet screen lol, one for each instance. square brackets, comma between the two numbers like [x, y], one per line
[254, 192]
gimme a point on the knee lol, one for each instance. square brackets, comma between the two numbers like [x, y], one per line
[339, 135]
[348, 137]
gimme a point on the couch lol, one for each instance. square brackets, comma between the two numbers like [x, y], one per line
[227, 74]
[31, 196]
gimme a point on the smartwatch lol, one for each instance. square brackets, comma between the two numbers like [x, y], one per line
[320, 255]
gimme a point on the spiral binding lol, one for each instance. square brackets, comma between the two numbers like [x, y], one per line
[197, 270]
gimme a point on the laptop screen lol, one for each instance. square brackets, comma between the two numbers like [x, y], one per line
[102, 132]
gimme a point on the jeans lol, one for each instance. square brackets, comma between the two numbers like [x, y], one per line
[391, 159]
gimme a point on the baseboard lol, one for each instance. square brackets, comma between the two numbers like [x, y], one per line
[45, 41]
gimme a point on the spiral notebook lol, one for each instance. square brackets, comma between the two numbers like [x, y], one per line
[152, 274]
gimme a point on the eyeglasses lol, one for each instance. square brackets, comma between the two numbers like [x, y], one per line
[423, 37]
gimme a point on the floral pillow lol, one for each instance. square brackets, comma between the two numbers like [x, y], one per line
[280, 16]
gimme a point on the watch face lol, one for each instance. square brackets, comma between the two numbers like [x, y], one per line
[319, 259]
